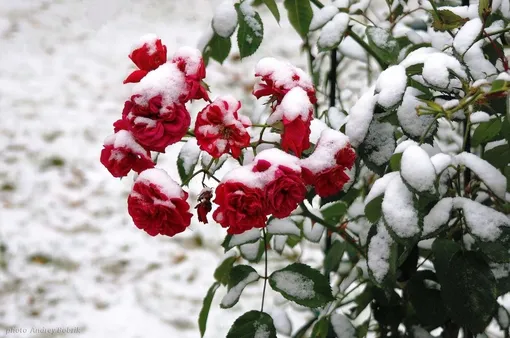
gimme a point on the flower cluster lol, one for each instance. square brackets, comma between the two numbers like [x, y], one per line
[273, 183]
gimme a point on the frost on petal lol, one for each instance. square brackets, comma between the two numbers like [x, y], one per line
[380, 186]
[379, 143]
[391, 85]
[360, 117]
[322, 16]
[492, 177]
[437, 68]
[484, 222]
[342, 326]
[234, 293]
[398, 209]
[467, 35]
[379, 252]
[332, 33]
[417, 170]
[294, 284]
[225, 19]
[438, 216]
[283, 227]
[412, 124]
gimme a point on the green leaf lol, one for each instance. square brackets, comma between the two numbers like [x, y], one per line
[206, 306]
[469, 291]
[395, 161]
[253, 324]
[383, 43]
[333, 212]
[251, 30]
[250, 236]
[496, 251]
[271, 4]
[334, 257]
[498, 86]
[378, 146]
[502, 273]
[252, 252]
[302, 284]
[498, 156]
[321, 327]
[222, 272]
[363, 299]
[300, 15]
[385, 243]
[416, 69]
[373, 210]
[187, 160]
[219, 48]
[486, 131]
[443, 251]
[484, 8]
[445, 20]
[240, 277]
[426, 299]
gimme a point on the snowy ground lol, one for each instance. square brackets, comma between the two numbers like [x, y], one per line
[72, 255]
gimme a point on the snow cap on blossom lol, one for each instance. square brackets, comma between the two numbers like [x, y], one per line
[278, 77]
[147, 55]
[296, 113]
[326, 167]
[190, 62]
[121, 154]
[158, 204]
[219, 129]
[271, 184]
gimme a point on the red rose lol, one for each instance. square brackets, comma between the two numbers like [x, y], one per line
[151, 128]
[220, 130]
[121, 154]
[149, 56]
[284, 193]
[158, 205]
[296, 135]
[190, 62]
[204, 205]
[240, 208]
[330, 181]
[278, 78]
[346, 157]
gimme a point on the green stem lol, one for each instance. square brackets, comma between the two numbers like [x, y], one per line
[366, 47]
[317, 3]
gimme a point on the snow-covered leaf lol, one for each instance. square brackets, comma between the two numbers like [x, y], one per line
[323, 16]
[391, 85]
[302, 284]
[342, 326]
[251, 29]
[334, 257]
[312, 231]
[240, 277]
[378, 146]
[382, 255]
[300, 15]
[438, 216]
[333, 32]
[486, 131]
[334, 211]
[383, 43]
[279, 242]
[249, 236]
[222, 272]
[252, 252]
[417, 170]
[360, 117]
[253, 324]
[224, 21]
[218, 48]
[445, 20]
[187, 159]
[284, 226]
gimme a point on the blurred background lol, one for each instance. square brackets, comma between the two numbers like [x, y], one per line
[70, 256]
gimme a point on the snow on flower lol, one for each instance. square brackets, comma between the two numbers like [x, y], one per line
[148, 55]
[121, 154]
[158, 205]
[220, 130]
[326, 167]
[190, 62]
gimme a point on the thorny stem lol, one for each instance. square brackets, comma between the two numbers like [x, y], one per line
[265, 270]
[348, 238]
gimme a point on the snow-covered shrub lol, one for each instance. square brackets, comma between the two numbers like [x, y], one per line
[405, 188]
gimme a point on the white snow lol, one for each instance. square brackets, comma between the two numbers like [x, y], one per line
[484, 222]
[411, 122]
[360, 117]
[332, 33]
[479, 117]
[281, 320]
[391, 85]
[398, 209]
[124, 139]
[224, 21]
[191, 56]
[160, 178]
[312, 232]
[283, 227]
[350, 48]
[436, 69]
[380, 186]
[279, 242]
[250, 250]
[403, 145]
[234, 293]
[503, 318]
[148, 40]
[322, 16]
[380, 142]
[246, 237]
[379, 250]
[283, 74]
[262, 331]
[417, 170]
[467, 35]
[438, 216]
[441, 161]
[294, 104]
[492, 177]
[342, 326]
[249, 16]
[294, 284]
[323, 157]
[189, 155]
